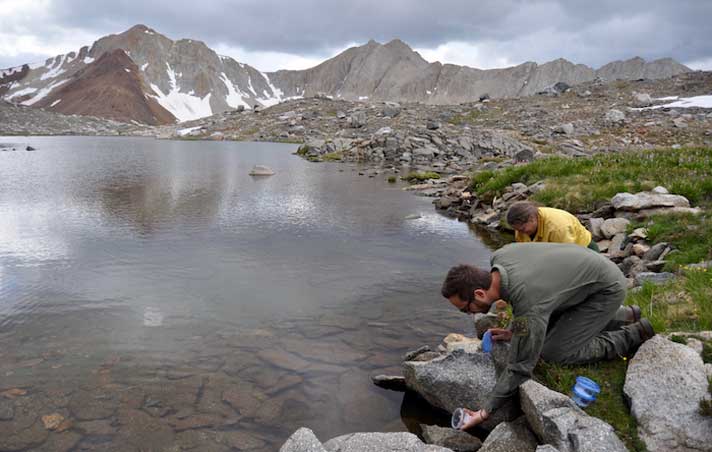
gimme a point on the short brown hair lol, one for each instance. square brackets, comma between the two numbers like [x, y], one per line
[463, 280]
[520, 212]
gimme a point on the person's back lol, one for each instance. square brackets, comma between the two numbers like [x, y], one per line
[546, 224]
[557, 275]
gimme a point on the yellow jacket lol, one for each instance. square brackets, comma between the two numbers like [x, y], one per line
[557, 226]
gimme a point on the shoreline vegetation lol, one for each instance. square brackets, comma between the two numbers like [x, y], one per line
[680, 305]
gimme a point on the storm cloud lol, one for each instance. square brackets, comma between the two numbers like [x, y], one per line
[484, 33]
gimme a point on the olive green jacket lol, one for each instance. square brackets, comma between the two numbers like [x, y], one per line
[538, 280]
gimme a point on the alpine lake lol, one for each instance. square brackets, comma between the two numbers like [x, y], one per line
[154, 296]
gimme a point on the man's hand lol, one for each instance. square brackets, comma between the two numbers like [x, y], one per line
[476, 417]
[501, 334]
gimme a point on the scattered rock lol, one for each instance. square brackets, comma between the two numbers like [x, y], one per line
[391, 382]
[52, 421]
[653, 278]
[455, 440]
[615, 117]
[432, 125]
[379, 442]
[614, 226]
[261, 170]
[510, 436]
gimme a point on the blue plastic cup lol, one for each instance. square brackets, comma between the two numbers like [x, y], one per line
[585, 391]
[487, 341]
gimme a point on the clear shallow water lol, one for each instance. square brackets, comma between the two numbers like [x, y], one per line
[157, 296]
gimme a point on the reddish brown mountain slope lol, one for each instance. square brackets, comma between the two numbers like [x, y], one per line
[110, 87]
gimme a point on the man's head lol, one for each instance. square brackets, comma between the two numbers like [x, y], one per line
[469, 289]
[523, 217]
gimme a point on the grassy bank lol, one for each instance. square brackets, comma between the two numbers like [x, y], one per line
[582, 185]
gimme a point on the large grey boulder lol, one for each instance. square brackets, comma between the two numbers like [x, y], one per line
[510, 436]
[557, 420]
[665, 383]
[381, 442]
[458, 379]
[456, 440]
[647, 200]
[303, 440]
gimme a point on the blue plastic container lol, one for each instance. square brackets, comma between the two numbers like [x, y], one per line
[487, 342]
[585, 391]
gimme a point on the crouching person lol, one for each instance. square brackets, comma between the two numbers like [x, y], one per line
[566, 304]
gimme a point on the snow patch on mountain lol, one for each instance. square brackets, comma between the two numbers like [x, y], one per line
[56, 69]
[21, 92]
[234, 96]
[184, 106]
[269, 100]
[44, 92]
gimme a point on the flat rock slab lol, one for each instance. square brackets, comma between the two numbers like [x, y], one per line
[647, 200]
[665, 383]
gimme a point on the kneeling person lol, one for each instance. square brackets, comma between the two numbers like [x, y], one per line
[564, 300]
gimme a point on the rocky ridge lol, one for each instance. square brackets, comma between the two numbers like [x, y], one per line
[190, 80]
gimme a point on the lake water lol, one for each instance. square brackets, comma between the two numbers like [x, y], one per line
[157, 297]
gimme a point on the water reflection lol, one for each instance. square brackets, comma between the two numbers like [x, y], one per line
[157, 296]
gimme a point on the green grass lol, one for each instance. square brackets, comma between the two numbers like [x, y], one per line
[680, 305]
[418, 176]
[690, 235]
[582, 184]
[610, 405]
[333, 156]
[392, 179]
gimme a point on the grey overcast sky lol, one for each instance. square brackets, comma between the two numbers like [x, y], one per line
[296, 34]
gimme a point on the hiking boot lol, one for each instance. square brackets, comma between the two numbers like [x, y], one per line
[645, 329]
[626, 315]
[633, 314]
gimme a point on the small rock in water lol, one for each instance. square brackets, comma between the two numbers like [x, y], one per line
[52, 421]
[261, 170]
[30, 148]
[392, 382]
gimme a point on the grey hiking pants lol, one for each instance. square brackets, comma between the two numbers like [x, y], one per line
[578, 335]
